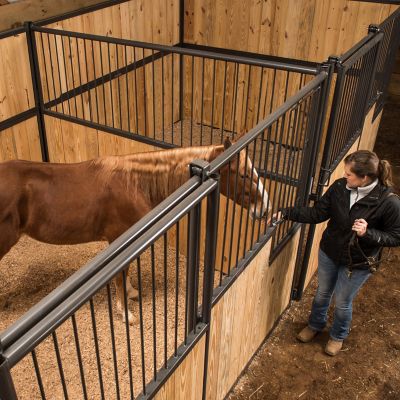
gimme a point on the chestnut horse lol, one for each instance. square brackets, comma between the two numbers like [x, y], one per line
[100, 199]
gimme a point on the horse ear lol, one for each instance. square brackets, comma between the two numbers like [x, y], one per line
[227, 143]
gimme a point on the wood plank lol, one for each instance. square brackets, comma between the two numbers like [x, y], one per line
[16, 93]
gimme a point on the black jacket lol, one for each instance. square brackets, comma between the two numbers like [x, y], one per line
[383, 225]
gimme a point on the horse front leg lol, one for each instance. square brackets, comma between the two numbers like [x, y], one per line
[9, 235]
[121, 298]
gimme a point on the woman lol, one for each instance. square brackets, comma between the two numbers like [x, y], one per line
[360, 202]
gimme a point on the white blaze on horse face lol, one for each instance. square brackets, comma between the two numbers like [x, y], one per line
[261, 204]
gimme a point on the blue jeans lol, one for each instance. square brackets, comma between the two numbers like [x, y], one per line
[333, 278]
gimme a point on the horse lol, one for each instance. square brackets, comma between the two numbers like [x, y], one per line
[101, 198]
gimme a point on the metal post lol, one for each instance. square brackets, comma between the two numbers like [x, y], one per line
[7, 389]
[209, 268]
[37, 88]
[303, 260]
[199, 168]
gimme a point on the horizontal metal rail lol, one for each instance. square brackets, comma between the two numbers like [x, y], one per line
[12, 32]
[47, 322]
[36, 314]
[17, 119]
[249, 137]
[179, 50]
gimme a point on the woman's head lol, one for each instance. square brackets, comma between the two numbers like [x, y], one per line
[363, 166]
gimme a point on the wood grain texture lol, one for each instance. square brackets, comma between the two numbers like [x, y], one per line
[187, 381]
[245, 315]
[21, 142]
[309, 30]
[16, 92]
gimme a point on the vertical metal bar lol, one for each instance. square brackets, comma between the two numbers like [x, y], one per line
[7, 389]
[192, 105]
[94, 77]
[241, 211]
[212, 103]
[79, 356]
[144, 93]
[119, 88]
[153, 294]
[45, 65]
[59, 71]
[103, 84]
[154, 94]
[248, 208]
[127, 88]
[38, 375]
[96, 346]
[127, 331]
[234, 94]
[66, 74]
[165, 302]
[72, 75]
[202, 102]
[172, 97]
[136, 92]
[176, 289]
[59, 363]
[80, 77]
[228, 188]
[114, 352]
[182, 94]
[209, 268]
[139, 272]
[87, 82]
[163, 100]
[193, 254]
[52, 69]
[223, 104]
[111, 90]
[37, 88]
[247, 98]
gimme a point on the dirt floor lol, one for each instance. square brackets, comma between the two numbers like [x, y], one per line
[368, 367]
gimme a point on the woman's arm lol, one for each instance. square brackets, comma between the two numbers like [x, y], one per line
[320, 212]
[389, 235]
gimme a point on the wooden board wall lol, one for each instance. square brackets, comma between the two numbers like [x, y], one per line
[155, 21]
[187, 381]
[21, 142]
[302, 29]
[69, 142]
[16, 92]
[245, 315]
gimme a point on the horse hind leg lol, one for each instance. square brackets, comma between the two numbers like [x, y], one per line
[9, 235]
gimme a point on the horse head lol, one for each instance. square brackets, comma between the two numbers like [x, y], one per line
[242, 184]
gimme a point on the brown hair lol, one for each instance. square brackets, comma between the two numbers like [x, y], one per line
[366, 163]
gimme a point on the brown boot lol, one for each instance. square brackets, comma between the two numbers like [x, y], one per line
[333, 347]
[306, 334]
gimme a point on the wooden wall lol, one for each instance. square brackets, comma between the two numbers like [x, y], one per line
[302, 29]
[69, 142]
[246, 313]
[21, 141]
[187, 381]
[16, 92]
[155, 21]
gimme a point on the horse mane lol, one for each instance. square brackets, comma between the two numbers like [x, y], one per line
[156, 174]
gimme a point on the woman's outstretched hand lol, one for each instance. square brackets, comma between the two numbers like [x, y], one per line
[360, 227]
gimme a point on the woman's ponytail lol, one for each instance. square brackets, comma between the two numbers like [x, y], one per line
[367, 163]
[385, 173]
